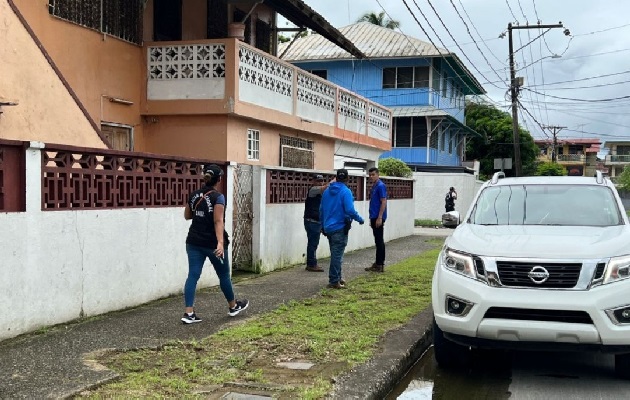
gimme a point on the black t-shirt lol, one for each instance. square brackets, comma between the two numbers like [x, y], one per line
[201, 204]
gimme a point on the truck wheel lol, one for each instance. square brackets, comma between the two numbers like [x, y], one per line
[448, 354]
[622, 365]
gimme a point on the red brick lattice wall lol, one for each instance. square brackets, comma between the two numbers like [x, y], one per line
[398, 188]
[292, 186]
[81, 178]
[12, 173]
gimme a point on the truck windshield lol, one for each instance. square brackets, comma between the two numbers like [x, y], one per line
[564, 205]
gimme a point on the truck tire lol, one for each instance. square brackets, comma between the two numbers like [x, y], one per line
[448, 354]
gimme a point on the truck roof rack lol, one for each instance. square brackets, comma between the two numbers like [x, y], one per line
[497, 176]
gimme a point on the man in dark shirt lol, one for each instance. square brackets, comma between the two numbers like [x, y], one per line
[378, 215]
[449, 200]
[312, 225]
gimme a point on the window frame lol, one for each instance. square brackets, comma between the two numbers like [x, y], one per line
[253, 144]
[408, 83]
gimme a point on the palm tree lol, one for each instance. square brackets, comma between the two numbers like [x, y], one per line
[380, 20]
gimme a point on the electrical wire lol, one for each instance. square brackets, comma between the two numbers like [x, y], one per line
[583, 100]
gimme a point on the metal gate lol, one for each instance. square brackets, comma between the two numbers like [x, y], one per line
[243, 216]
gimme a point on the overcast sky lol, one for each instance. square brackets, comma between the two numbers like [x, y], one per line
[598, 45]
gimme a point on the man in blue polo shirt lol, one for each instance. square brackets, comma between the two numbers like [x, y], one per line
[378, 215]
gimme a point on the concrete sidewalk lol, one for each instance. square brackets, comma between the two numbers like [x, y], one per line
[55, 363]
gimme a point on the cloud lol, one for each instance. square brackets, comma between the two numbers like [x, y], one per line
[491, 17]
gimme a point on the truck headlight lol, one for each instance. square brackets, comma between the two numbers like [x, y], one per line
[460, 263]
[618, 268]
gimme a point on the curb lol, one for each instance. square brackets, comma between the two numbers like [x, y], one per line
[398, 351]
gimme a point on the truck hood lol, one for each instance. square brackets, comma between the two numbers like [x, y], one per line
[516, 241]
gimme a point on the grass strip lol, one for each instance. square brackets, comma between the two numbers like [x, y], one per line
[335, 330]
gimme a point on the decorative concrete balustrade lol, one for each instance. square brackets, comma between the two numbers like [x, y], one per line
[233, 71]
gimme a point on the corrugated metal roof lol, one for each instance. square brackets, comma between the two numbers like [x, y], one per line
[374, 41]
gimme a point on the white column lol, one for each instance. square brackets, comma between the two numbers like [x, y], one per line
[259, 194]
[34, 177]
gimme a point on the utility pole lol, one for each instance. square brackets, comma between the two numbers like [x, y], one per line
[554, 131]
[514, 86]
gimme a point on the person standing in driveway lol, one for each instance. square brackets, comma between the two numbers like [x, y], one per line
[378, 215]
[207, 239]
[449, 200]
[336, 213]
[312, 225]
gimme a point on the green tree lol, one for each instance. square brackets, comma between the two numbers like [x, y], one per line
[380, 20]
[550, 169]
[394, 167]
[623, 181]
[496, 141]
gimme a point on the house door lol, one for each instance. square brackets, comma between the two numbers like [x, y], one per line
[167, 20]
[243, 217]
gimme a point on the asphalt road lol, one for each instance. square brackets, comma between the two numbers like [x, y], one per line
[517, 376]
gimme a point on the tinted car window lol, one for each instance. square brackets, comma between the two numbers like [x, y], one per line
[586, 205]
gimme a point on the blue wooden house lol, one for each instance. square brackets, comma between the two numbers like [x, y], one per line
[423, 86]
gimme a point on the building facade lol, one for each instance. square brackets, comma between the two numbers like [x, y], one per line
[578, 156]
[424, 87]
[194, 78]
[618, 156]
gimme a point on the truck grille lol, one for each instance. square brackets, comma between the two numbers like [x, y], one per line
[528, 314]
[561, 276]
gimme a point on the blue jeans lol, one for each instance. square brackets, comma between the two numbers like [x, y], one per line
[313, 232]
[196, 257]
[337, 241]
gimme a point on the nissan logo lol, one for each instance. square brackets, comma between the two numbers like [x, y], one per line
[538, 275]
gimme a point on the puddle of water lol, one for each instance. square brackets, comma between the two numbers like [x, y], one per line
[487, 378]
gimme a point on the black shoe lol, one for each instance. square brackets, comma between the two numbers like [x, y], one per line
[240, 306]
[337, 285]
[315, 268]
[376, 268]
[190, 319]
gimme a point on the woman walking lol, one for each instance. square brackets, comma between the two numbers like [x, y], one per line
[207, 239]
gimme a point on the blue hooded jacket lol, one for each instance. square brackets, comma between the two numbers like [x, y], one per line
[336, 207]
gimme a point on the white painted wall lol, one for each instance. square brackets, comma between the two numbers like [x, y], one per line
[58, 266]
[431, 188]
[280, 239]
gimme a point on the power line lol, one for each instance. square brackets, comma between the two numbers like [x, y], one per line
[589, 78]
[600, 31]
[583, 100]
[588, 87]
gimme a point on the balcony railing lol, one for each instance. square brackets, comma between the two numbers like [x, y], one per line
[571, 158]
[618, 158]
[202, 71]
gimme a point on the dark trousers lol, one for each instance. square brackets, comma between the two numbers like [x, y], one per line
[313, 232]
[450, 207]
[379, 241]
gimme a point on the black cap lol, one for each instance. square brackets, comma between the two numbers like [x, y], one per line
[319, 177]
[212, 169]
[452, 188]
[342, 174]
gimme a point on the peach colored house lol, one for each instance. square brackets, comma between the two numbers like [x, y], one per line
[578, 156]
[194, 78]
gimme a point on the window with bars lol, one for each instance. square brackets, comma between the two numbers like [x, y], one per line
[118, 18]
[253, 144]
[405, 77]
[297, 152]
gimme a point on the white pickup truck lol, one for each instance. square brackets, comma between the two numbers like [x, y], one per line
[540, 263]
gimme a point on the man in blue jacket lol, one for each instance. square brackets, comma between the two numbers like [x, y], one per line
[336, 213]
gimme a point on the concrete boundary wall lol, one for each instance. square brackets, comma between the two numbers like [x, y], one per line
[58, 266]
[431, 188]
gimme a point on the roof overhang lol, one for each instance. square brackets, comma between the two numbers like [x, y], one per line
[432, 112]
[302, 15]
